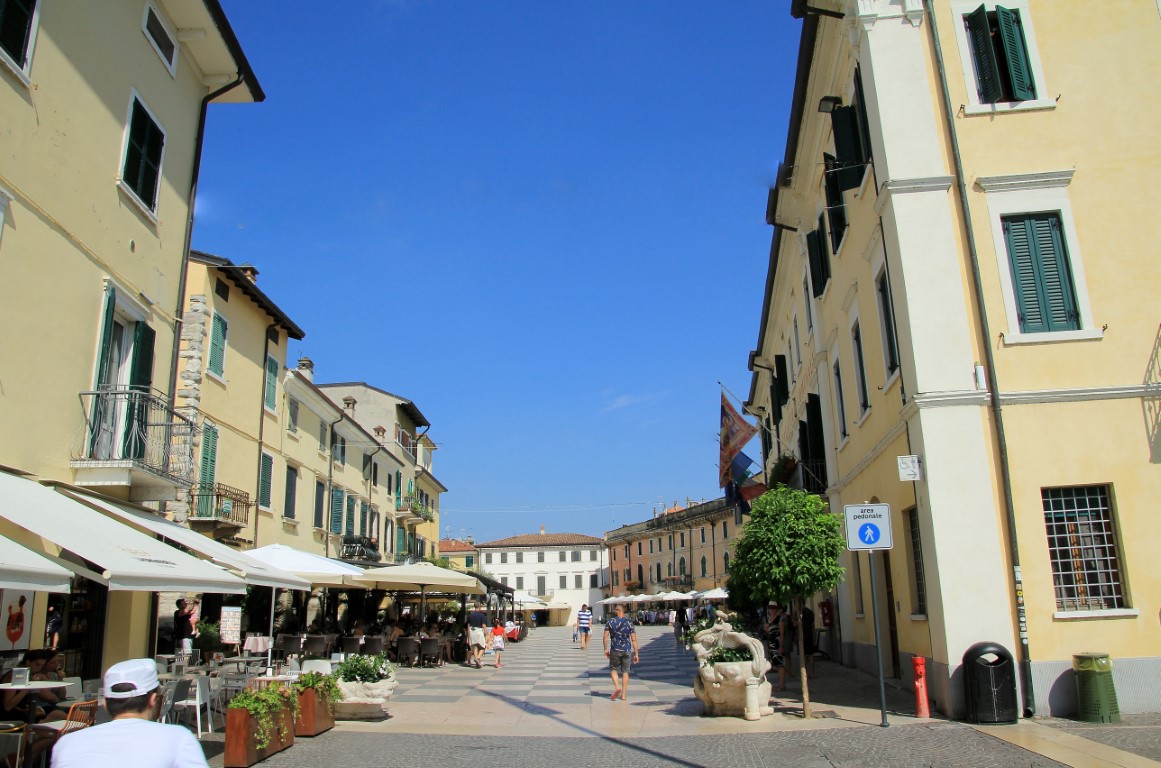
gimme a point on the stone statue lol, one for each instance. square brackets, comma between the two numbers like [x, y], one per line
[731, 688]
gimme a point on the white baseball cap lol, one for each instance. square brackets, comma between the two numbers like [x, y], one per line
[139, 673]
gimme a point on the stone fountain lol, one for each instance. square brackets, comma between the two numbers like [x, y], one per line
[731, 688]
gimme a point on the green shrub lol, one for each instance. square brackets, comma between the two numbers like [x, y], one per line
[721, 653]
[264, 704]
[326, 686]
[365, 669]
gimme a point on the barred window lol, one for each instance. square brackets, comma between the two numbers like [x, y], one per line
[1082, 545]
[920, 603]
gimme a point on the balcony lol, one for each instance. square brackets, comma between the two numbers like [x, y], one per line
[813, 476]
[408, 510]
[132, 438]
[219, 504]
[360, 549]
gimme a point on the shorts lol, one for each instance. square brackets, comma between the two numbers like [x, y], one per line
[619, 661]
[584, 630]
[476, 636]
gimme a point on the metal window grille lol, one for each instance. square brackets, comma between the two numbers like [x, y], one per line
[1082, 545]
[917, 560]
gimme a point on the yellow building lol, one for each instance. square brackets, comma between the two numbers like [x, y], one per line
[396, 423]
[102, 135]
[462, 555]
[934, 291]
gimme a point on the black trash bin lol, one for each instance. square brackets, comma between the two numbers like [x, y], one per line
[989, 681]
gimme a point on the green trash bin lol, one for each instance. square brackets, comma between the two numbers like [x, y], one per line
[1096, 696]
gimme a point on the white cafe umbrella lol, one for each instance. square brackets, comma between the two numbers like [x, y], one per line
[318, 570]
[417, 577]
[717, 593]
[528, 601]
[675, 596]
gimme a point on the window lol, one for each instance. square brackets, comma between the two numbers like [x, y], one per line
[336, 510]
[860, 368]
[806, 301]
[519, 557]
[725, 530]
[339, 452]
[628, 575]
[350, 529]
[703, 566]
[292, 416]
[364, 508]
[836, 212]
[209, 464]
[488, 558]
[650, 546]
[563, 556]
[669, 569]
[638, 549]
[593, 583]
[519, 582]
[578, 581]
[271, 400]
[797, 344]
[919, 598]
[840, 405]
[288, 506]
[219, 329]
[503, 579]
[887, 323]
[999, 55]
[157, 31]
[1041, 274]
[852, 139]
[725, 562]
[503, 557]
[703, 534]
[266, 478]
[541, 585]
[374, 473]
[658, 579]
[222, 289]
[670, 543]
[576, 555]
[540, 556]
[790, 359]
[17, 26]
[593, 555]
[320, 502]
[640, 576]
[144, 146]
[470, 562]
[1082, 545]
[683, 539]
[681, 567]
[819, 260]
[322, 438]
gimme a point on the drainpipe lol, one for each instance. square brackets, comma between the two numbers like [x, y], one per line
[261, 430]
[994, 388]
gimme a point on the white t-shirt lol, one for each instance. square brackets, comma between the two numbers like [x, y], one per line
[129, 743]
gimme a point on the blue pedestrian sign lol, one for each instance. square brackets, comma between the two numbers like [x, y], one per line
[868, 526]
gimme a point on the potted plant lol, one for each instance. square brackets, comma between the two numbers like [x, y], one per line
[259, 723]
[209, 639]
[317, 696]
[365, 682]
[731, 676]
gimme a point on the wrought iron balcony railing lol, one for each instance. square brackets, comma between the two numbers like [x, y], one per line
[136, 428]
[813, 476]
[220, 503]
[360, 548]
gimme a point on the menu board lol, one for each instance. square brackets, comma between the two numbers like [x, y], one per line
[231, 625]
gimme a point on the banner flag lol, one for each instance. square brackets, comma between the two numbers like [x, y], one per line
[736, 432]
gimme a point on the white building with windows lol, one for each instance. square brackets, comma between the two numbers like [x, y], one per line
[565, 570]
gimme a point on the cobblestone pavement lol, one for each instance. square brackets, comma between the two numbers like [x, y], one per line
[1139, 734]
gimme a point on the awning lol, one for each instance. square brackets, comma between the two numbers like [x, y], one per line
[418, 577]
[250, 570]
[318, 570]
[25, 570]
[120, 556]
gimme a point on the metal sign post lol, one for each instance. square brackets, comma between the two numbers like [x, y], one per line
[869, 528]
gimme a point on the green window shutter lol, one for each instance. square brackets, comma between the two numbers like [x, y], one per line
[136, 436]
[141, 369]
[320, 502]
[209, 463]
[847, 149]
[292, 410]
[815, 256]
[1041, 275]
[288, 508]
[363, 518]
[336, 510]
[217, 363]
[781, 378]
[350, 530]
[271, 383]
[265, 480]
[1016, 54]
[836, 212]
[367, 466]
[104, 363]
[400, 540]
[988, 83]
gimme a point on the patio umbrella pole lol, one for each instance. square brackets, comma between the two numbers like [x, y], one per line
[270, 650]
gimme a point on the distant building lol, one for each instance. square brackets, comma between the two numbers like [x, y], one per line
[565, 570]
[461, 554]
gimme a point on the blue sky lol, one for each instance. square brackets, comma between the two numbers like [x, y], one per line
[542, 222]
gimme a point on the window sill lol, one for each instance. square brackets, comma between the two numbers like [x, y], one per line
[970, 110]
[289, 522]
[137, 202]
[293, 435]
[863, 417]
[892, 377]
[216, 377]
[862, 189]
[919, 617]
[265, 511]
[1017, 339]
[1112, 613]
[7, 63]
[270, 412]
[843, 440]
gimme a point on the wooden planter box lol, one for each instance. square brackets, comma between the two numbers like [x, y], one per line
[241, 728]
[314, 716]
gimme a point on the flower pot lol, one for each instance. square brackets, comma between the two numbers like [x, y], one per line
[242, 736]
[314, 714]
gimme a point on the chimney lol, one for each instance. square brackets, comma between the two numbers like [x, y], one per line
[349, 404]
[306, 368]
[250, 271]
[542, 530]
[381, 433]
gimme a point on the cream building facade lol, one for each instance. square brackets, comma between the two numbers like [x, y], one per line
[960, 272]
[565, 570]
[103, 136]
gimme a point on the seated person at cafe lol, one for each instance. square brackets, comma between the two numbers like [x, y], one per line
[131, 739]
[33, 706]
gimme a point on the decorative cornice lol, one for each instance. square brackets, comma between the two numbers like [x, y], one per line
[907, 186]
[849, 299]
[1080, 394]
[949, 399]
[868, 11]
[1041, 180]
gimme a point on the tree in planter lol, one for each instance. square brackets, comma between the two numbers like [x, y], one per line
[788, 551]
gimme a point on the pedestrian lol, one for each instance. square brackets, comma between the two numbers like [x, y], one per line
[497, 640]
[680, 627]
[620, 643]
[584, 626]
[777, 641]
[808, 640]
[477, 620]
[182, 627]
[131, 739]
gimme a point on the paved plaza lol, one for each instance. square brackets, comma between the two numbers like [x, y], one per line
[549, 704]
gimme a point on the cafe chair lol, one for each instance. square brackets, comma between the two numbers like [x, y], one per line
[12, 744]
[289, 645]
[373, 646]
[429, 651]
[314, 645]
[168, 693]
[201, 698]
[81, 715]
[351, 645]
[407, 651]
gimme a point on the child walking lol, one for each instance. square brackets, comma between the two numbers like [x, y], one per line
[497, 640]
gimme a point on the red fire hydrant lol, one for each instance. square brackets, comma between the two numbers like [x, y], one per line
[920, 666]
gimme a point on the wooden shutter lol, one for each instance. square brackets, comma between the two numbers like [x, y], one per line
[208, 468]
[217, 362]
[271, 383]
[320, 502]
[835, 210]
[350, 515]
[288, 508]
[847, 148]
[781, 379]
[336, 510]
[363, 518]
[292, 410]
[266, 477]
[104, 361]
[141, 369]
[367, 466]
[1041, 276]
[1016, 54]
[988, 83]
[815, 256]
[136, 437]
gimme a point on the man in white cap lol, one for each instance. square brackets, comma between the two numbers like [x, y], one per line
[131, 739]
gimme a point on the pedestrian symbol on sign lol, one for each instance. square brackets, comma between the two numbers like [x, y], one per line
[869, 533]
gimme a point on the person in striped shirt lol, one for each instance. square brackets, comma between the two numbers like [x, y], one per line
[584, 625]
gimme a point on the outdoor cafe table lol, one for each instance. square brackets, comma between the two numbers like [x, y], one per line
[257, 644]
[31, 685]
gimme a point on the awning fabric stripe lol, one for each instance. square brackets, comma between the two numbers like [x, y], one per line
[25, 570]
[127, 559]
[250, 570]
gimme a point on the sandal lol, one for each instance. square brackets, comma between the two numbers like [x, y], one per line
[615, 695]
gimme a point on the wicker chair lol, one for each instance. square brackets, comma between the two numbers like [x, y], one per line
[81, 715]
[407, 651]
[373, 645]
[314, 645]
[429, 651]
[351, 645]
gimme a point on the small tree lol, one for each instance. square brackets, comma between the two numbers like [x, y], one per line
[788, 551]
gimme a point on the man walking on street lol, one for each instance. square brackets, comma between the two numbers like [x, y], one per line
[584, 625]
[477, 619]
[131, 739]
[620, 635]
